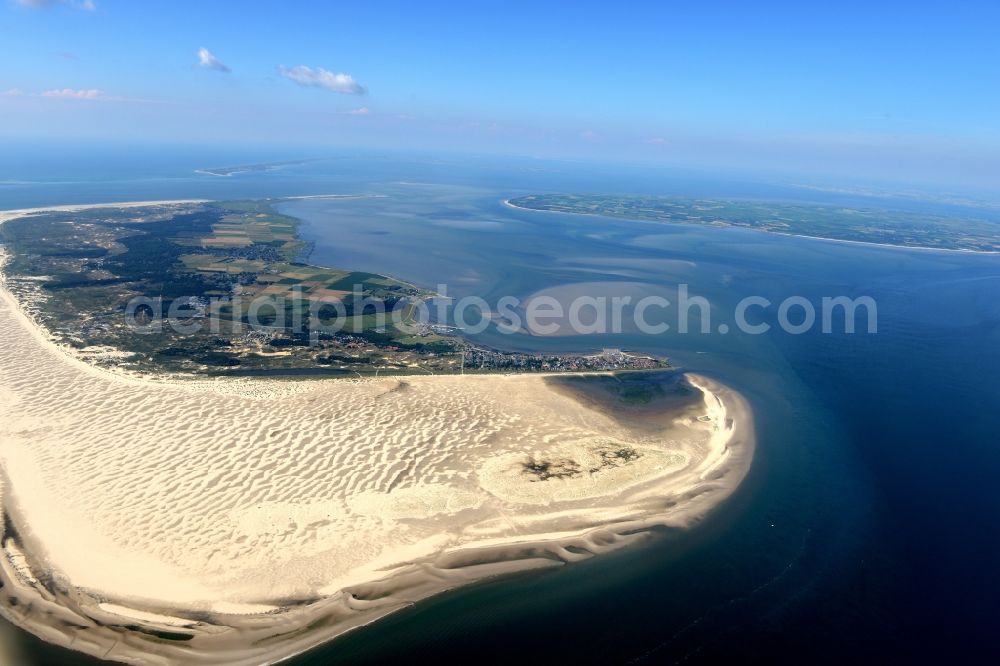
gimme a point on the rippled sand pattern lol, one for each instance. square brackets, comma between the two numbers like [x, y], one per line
[232, 499]
[211, 482]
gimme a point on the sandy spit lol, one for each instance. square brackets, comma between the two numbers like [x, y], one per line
[6, 215]
[258, 521]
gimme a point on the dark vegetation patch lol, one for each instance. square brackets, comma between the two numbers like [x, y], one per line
[543, 470]
[616, 458]
[218, 359]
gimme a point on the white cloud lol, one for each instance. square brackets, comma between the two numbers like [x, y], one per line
[589, 135]
[70, 93]
[209, 61]
[11, 92]
[363, 111]
[322, 78]
[42, 4]
[657, 141]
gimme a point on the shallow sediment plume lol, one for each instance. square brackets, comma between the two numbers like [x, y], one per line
[242, 522]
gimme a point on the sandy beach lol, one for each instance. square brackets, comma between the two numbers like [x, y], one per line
[244, 521]
[22, 212]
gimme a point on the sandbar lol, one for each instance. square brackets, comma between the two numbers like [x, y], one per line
[245, 521]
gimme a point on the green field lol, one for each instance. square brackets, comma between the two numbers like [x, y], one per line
[228, 260]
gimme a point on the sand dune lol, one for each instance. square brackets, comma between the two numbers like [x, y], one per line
[256, 519]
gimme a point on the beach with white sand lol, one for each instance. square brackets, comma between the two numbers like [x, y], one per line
[160, 521]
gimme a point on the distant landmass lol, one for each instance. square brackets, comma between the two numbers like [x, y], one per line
[248, 168]
[859, 225]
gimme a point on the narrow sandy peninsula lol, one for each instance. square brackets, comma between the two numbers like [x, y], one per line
[244, 521]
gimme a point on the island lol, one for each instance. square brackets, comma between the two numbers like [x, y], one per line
[224, 288]
[190, 517]
[838, 223]
[250, 168]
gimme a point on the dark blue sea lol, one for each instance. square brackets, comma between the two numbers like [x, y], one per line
[868, 527]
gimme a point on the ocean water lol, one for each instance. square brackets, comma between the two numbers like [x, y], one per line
[867, 527]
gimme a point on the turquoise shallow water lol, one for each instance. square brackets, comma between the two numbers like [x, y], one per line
[866, 528]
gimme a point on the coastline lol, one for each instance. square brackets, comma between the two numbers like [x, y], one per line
[249, 386]
[11, 214]
[451, 540]
[922, 248]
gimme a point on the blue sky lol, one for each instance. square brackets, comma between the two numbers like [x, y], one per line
[901, 91]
